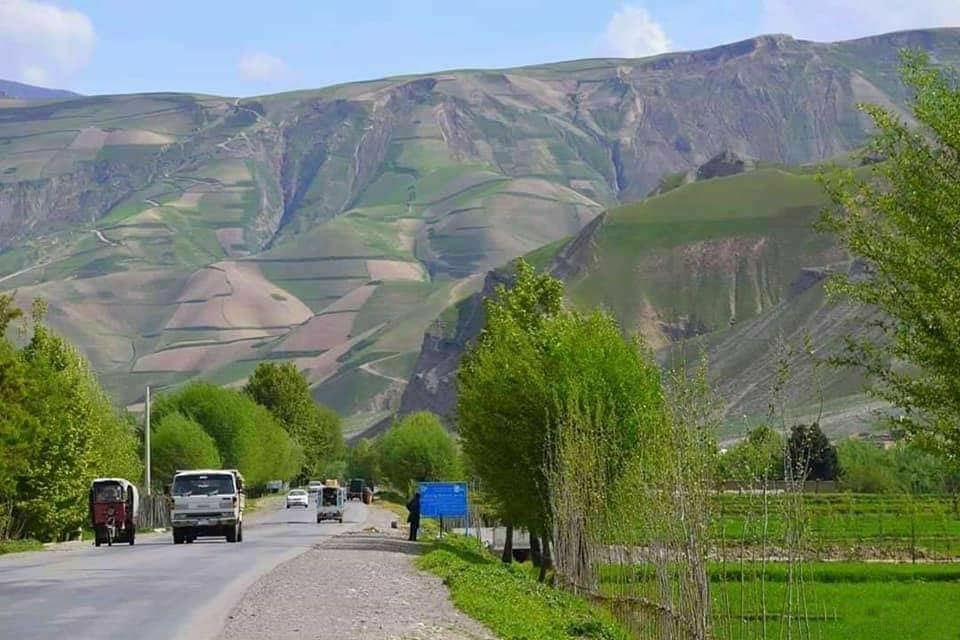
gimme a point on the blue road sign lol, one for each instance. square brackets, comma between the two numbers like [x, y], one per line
[443, 499]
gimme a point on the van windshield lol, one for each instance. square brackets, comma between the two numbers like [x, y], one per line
[203, 485]
[329, 497]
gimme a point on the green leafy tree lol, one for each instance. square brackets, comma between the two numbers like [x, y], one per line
[363, 461]
[811, 455]
[247, 435]
[78, 436]
[418, 449]
[921, 471]
[903, 223]
[759, 456]
[866, 468]
[16, 425]
[516, 386]
[180, 443]
[285, 392]
[501, 392]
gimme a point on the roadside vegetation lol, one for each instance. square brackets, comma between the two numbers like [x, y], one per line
[58, 431]
[510, 600]
[19, 545]
[270, 430]
[246, 434]
[575, 434]
[418, 449]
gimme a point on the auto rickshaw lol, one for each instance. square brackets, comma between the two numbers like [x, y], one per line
[113, 511]
[330, 504]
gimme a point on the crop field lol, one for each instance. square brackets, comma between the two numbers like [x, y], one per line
[839, 601]
[846, 526]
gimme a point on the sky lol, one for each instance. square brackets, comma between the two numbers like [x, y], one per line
[244, 48]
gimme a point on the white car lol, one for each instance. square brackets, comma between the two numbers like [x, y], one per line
[298, 498]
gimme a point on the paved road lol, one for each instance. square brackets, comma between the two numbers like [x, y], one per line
[152, 590]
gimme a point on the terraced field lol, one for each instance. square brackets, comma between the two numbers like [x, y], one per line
[180, 236]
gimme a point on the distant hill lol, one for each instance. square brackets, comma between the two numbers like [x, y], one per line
[722, 264]
[11, 89]
[180, 236]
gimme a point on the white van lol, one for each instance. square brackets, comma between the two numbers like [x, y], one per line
[207, 502]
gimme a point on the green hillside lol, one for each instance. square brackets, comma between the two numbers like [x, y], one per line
[704, 255]
[722, 268]
[181, 236]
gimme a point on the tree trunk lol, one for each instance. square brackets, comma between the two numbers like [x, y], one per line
[508, 545]
[547, 560]
[536, 556]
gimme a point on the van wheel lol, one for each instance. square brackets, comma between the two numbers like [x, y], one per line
[232, 534]
[131, 534]
[177, 537]
[96, 540]
[240, 532]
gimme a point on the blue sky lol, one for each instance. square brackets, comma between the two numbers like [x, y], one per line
[247, 48]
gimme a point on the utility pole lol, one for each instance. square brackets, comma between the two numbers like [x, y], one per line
[146, 439]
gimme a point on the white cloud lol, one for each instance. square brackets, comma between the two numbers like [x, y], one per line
[40, 43]
[633, 33]
[262, 66]
[828, 20]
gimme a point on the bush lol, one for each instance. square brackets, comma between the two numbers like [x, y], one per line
[180, 443]
[418, 449]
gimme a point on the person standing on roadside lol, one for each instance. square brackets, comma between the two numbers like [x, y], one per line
[413, 507]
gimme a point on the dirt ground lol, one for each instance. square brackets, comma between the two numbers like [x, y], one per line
[356, 586]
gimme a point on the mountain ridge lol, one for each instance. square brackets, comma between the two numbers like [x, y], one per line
[179, 236]
[20, 90]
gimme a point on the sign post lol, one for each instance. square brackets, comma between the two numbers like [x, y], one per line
[444, 500]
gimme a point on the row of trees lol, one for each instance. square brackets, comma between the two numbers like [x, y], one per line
[271, 430]
[58, 431]
[765, 455]
[858, 465]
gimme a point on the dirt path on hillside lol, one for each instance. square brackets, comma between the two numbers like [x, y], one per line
[356, 586]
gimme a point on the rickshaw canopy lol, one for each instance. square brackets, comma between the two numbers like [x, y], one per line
[99, 492]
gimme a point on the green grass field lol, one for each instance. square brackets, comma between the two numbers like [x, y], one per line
[841, 601]
[847, 525]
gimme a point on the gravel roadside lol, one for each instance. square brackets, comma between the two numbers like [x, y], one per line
[356, 586]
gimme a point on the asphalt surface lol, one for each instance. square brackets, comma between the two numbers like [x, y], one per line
[152, 590]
